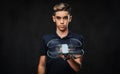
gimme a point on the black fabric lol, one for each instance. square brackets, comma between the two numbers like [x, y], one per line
[57, 66]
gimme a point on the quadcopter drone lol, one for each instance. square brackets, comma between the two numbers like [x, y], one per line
[73, 47]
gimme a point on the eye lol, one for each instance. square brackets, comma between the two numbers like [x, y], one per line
[66, 17]
[57, 17]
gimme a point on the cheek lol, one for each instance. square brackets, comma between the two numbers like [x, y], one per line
[57, 23]
[66, 22]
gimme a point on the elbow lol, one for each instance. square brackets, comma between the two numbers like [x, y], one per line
[41, 69]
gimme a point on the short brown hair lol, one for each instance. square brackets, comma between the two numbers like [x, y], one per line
[62, 7]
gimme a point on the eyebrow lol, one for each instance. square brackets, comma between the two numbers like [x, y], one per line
[61, 17]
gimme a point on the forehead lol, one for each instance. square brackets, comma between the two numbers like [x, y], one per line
[62, 13]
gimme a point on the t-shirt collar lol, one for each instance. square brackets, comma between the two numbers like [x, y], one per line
[68, 36]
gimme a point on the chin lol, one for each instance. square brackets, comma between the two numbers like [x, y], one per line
[62, 30]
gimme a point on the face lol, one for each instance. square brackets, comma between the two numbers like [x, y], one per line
[62, 19]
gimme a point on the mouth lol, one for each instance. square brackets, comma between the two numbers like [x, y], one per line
[62, 27]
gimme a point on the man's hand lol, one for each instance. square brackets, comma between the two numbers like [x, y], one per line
[75, 63]
[67, 56]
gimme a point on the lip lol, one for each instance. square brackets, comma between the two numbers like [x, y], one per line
[62, 27]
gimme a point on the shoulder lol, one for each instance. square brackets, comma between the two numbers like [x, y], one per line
[47, 37]
[78, 36]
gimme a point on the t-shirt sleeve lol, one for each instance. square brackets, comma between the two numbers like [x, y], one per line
[43, 47]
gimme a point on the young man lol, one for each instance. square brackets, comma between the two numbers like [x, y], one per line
[47, 65]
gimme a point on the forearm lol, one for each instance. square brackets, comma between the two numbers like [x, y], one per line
[74, 65]
[42, 65]
[41, 69]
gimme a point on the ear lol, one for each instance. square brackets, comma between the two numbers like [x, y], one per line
[70, 19]
[53, 17]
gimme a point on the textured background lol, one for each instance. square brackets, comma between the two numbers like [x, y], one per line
[23, 22]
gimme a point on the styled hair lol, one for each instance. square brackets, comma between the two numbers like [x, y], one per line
[62, 7]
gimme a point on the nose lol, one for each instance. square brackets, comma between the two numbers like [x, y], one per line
[61, 21]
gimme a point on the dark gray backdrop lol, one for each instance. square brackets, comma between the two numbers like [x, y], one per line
[23, 22]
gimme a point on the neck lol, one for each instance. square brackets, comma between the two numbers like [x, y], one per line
[62, 34]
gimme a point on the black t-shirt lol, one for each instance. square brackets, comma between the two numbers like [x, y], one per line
[58, 65]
